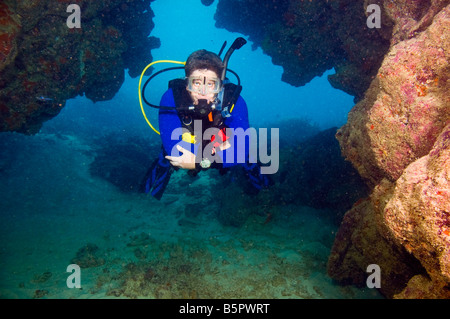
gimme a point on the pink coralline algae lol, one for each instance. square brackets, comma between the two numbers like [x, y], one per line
[397, 99]
[417, 215]
[397, 137]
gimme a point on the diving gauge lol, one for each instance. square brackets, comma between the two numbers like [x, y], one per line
[205, 163]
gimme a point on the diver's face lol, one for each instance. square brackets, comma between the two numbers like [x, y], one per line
[206, 82]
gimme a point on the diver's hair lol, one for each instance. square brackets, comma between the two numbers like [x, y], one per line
[203, 59]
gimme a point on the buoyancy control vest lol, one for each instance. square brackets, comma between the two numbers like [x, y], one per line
[212, 118]
[187, 112]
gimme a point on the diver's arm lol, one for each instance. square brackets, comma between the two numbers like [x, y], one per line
[239, 115]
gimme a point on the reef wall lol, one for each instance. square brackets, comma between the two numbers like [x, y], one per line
[397, 135]
[308, 38]
[398, 138]
[43, 62]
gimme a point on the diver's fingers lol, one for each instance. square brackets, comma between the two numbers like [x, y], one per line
[173, 160]
[174, 163]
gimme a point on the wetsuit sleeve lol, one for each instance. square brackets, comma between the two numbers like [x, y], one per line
[239, 116]
[238, 121]
[171, 129]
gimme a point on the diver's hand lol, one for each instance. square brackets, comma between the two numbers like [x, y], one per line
[186, 160]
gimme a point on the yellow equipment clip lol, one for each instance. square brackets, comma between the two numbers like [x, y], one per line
[188, 137]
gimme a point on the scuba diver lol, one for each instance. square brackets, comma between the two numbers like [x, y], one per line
[204, 99]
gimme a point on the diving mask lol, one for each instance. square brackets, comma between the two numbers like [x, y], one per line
[204, 85]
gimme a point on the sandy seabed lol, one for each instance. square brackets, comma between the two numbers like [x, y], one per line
[51, 209]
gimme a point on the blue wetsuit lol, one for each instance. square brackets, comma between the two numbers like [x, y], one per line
[159, 173]
[170, 121]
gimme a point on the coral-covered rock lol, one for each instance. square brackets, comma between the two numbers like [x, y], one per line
[421, 287]
[9, 29]
[398, 137]
[410, 17]
[309, 37]
[418, 213]
[405, 108]
[359, 244]
[43, 62]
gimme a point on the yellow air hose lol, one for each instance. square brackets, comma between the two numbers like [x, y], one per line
[140, 82]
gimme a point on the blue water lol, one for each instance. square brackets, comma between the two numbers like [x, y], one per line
[52, 206]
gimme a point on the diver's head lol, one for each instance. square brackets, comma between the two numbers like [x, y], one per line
[203, 69]
[203, 59]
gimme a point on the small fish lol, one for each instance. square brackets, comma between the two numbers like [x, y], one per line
[44, 99]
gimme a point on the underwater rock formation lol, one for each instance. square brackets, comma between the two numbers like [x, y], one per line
[398, 139]
[309, 37]
[43, 62]
[359, 243]
[123, 161]
[418, 216]
[404, 110]
[207, 2]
